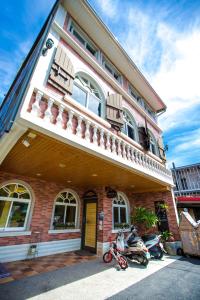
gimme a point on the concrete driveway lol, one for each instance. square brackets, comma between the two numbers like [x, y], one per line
[171, 278]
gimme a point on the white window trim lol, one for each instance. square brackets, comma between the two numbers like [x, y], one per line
[118, 205]
[88, 93]
[84, 37]
[141, 102]
[12, 200]
[56, 231]
[113, 69]
[77, 217]
[134, 127]
[14, 233]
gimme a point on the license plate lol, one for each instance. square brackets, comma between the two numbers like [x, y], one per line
[148, 255]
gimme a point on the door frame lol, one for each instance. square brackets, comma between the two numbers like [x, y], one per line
[89, 197]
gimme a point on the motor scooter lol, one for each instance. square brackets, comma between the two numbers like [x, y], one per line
[154, 245]
[133, 247]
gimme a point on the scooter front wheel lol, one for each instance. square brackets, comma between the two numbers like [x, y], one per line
[145, 261]
[107, 257]
[159, 254]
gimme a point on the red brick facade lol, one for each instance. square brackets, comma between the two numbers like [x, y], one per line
[44, 194]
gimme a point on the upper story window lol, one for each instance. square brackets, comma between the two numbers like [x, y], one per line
[87, 93]
[15, 202]
[141, 102]
[111, 69]
[81, 37]
[153, 144]
[130, 127]
[65, 211]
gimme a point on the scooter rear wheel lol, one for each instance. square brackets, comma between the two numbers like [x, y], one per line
[107, 257]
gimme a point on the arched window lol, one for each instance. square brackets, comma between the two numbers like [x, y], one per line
[153, 144]
[120, 211]
[15, 202]
[65, 211]
[130, 127]
[87, 93]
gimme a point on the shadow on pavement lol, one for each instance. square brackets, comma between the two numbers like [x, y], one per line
[38, 284]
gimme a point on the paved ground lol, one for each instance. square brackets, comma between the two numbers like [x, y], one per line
[29, 267]
[167, 279]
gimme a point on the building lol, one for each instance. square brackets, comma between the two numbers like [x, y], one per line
[187, 188]
[80, 144]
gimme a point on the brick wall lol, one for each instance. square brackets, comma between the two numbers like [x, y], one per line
[44, 196]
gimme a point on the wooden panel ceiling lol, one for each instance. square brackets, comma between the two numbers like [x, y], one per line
[58, 162]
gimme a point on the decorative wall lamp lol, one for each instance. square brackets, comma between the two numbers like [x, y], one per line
[49, 45]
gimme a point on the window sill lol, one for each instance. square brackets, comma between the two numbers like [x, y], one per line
[55, 231]
[14, 233]
[116, 230]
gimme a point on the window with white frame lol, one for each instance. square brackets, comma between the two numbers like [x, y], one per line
[141, 102]
[153, 144]
[87, 93]
[65, 211]
[15, 202]
[81, 37]
[111, 69]
[130, 127]
[120, 212]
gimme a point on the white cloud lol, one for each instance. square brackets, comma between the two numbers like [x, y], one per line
[108, 7]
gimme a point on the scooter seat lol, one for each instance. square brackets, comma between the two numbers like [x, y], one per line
[133, 241]
[148, 237]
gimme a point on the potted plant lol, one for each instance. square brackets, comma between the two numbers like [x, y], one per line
[169, 243]
[144, 218]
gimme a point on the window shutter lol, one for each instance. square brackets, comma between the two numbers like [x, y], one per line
[161, 149]
[62, 72]
[114, 112]
[144, 138]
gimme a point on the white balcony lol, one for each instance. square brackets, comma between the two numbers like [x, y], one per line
[82, 129]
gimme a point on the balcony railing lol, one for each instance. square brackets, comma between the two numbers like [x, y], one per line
[82, 129]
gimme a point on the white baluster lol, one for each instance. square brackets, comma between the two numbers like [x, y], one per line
[131, 154]
[87, 130]
[128, 152]
[137, 157]
[69, 123]
[113, 144]
[108, 146]
[48, 114]
[95, 135]
[102, 145]
[123, 150]
[59, 119]
[79, 127]
[119, 150]
[36, 105]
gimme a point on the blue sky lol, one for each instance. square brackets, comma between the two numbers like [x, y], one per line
[163, 39]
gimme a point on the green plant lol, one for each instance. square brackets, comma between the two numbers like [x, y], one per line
[121, 225]
[166, 235]
[145, 217]
[163, 206]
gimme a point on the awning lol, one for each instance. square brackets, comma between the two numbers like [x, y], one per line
[188, 199]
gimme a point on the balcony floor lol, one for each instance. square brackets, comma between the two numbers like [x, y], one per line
[51, 160]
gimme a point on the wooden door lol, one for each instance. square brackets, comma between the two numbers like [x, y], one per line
[90, 226]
